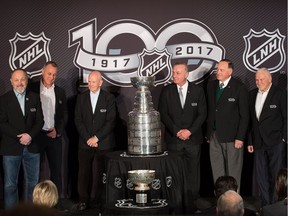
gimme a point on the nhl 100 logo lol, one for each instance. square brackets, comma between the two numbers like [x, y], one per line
[128, 48]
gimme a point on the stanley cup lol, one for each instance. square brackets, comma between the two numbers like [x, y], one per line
[144, 126]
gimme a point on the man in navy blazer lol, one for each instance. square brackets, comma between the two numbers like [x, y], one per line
[227, 122]
[95, 115]
[21, 120]
[54, 107]
[183, 119]
[268, 110]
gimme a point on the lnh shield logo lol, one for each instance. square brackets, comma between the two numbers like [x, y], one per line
[29, 52]
[264, 49]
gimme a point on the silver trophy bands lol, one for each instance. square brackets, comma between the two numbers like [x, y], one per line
[144, 125]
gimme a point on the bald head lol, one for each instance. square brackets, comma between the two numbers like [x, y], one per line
[230, 203]
[94, 81]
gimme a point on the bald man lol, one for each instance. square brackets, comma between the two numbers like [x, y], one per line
[230, 203]
[95, 114]
[268, 135]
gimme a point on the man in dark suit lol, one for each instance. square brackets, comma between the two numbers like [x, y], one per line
[268, 110]
[227, 123]
[95, 115]
[21, 120]
[54, 107]
[182, 107]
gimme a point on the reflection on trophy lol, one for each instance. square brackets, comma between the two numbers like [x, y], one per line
[144, 125]
[141, 180]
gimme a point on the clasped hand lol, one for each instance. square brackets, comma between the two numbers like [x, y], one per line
[183, 134]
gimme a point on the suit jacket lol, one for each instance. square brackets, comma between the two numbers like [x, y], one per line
[61, 111]
[230, 115]
[191, 117]
[100, 124]
[12, 122]
[272, 124]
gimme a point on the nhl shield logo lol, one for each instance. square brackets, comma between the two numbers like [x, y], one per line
[153, 62]
[29, 52]
[264, 49]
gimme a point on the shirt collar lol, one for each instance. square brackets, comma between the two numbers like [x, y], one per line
[225, 82]
[43, 87]
[18, 94]
[185, 86]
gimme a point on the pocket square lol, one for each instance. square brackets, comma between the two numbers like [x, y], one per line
[32, 109]
[103, 110]
[231, 99]
[273, 106]
[194, 104]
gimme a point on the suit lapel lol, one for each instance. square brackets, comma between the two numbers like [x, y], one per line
[99, 102]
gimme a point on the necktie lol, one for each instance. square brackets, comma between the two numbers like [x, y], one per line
[181, 97]
[221, 85]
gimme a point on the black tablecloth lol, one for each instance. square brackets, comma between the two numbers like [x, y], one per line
[168, 184]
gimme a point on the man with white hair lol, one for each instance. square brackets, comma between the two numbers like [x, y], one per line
[230, 204]
[268, 135]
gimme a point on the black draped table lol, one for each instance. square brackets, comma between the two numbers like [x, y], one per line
[169, 182]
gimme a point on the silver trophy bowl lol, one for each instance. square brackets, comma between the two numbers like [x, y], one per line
[141, 179]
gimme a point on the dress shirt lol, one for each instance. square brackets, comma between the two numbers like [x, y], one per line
[48, 99]
[21, 99]
[260, 99]
[94, 99]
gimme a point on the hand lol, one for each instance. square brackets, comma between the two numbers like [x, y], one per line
[250, 148]
[183, 134]
[24, 138]
[52, 133]
[93, 142]
[238, 144]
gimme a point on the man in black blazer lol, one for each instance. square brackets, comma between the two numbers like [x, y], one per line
[227, 123]
[183, 116]
[21, 120]
[54, 107]
[95, 115]
[268, 110]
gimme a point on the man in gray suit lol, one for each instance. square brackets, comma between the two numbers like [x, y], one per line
[268, 109]
[227, 123]
[182, 107]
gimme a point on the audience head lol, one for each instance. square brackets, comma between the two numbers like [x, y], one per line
[223, 184]
[281, 184]
[230, 204]
[45, 193]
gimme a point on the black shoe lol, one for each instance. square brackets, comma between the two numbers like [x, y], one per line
[81, 206]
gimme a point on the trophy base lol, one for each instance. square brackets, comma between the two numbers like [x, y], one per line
[142, 198]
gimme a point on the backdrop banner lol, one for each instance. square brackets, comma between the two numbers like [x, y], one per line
[128, 38]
